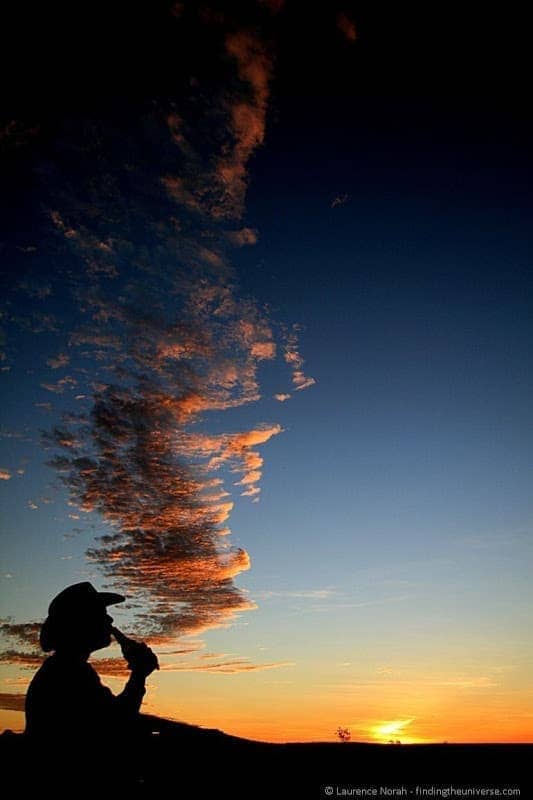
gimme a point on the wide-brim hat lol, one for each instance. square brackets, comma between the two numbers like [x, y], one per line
[76, 602]
[81, 597]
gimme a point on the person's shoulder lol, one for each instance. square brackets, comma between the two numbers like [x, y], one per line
[58, 666]
[47, 667]
[45, 675]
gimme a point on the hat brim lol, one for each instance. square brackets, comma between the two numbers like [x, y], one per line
[110, 598]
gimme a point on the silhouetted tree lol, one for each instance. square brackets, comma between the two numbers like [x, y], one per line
[343, 734]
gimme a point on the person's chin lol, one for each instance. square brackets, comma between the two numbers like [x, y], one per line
[105, 641]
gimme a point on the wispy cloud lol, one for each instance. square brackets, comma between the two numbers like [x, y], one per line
[248, 115]
[310, 594]
[24, 638]
[244, 236]
[296, 362]
[5, 474]
[350, 604]
[227, 667]
[67, 382]
[388, 679]
[61, 360]
[165, 337]
[346, 26]
[207, 662]
[44, 406]
[24, 632]
[21, 658]
[339, 200]
[159, 340]
[468, 682]
[9, 701]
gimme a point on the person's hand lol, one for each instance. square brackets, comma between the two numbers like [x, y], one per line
[141, 659]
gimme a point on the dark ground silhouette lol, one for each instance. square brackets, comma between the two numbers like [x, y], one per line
[186, 761]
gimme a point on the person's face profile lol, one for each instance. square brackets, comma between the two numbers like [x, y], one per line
[98, 630]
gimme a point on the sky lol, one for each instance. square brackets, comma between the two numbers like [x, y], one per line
[266, 336]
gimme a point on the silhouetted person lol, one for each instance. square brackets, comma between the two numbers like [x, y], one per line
[66, 702]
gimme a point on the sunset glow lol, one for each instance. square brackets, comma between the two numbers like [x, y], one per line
[392, 730]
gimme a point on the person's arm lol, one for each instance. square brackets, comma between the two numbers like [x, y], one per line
[142, 661]
[130, 699]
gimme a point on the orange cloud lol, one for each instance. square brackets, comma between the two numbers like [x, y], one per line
[166, 519]
[61, 360]
[296, 362]
[21, 658]
[254, 67]
[263, 350]
[26, 633]
[58, 388]
[275, 6]
[347, 27]
[166, 338]
[9, 701]
[301, 381]
[339, 200]
[235, 449]
[226, 667]
[111, 667]
[177, 188]
[5, 475]
[242, 237]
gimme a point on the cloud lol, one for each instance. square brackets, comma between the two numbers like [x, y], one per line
[346, 26]
[61, 360]
[111, 667]
[213, 655]
[311, 594]
[5, 474]
[301, 381]
[247, 115]
[216, 187]
[21, 658]
[237, 450]
[9, 701]
[296, 362]
[22, 632]
[35, 289]
[339, 200]
[275, 6]
[282, 398]
[62, 437]
[477, 682]
[226, 667]
[16, 134]
[160, 339]
[149, 478]
[44, 406]
[388, 678]
[244, 236]
[68, 382]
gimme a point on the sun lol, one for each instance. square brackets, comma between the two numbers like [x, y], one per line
[392, 729]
